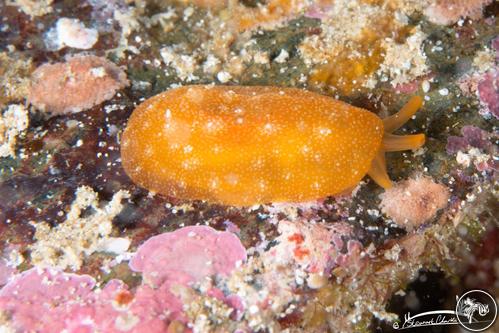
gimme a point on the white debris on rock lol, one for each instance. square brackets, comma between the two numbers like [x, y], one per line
[282, 57]
[425, 85]
[184, 64]
[211, 64]
[13, 123]
[126, 321]
[474, 155]
[15, 76]
[128, 21]
[72, 33]
[33, 8]
[98, 71]
[224, 76]
[344, 23]
[303, 254]
[261, 58]
[404, 62]
[164, 19]
[66, 244]
[484, 60]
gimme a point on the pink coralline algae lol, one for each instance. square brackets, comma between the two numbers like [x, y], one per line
[75, 85]
[415, 201]
[488, 91]
[172, 261]
[187, 255]
[48, 300]
[314, 247]
[45, 300]
[447, 12]
[35, 292]
[353, 258]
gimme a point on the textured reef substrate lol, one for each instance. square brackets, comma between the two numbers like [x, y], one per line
[90, 250]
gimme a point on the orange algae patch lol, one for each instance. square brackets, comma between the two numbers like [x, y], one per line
[123, 298]
[253, 14]
[249, 145]
[300, 253]
[296, 238]
[346, 73]
[267, 13]
[351, 47]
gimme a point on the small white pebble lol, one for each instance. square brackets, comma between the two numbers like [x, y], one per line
[223, 76]
[98, 72]
[71, 123]
[443, 91]
[463, 159]
[425, 86]
[253, 309]
[282, 57]
[188, 13]
[71, 32]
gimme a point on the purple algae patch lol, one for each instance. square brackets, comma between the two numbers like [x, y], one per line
[472, 136]
[488, 91]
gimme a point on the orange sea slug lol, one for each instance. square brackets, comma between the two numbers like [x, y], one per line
[241, 145]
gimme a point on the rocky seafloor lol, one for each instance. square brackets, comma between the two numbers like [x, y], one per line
[84, 249]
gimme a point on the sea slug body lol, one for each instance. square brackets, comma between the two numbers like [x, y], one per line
[242, 146]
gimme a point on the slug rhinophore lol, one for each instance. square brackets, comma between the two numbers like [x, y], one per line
[242, 146]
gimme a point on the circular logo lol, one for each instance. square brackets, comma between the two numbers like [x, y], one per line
[476, 310]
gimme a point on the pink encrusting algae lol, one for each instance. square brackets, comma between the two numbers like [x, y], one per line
[187, 255]
[75, 85]
[174, 266]
[72, 303]
[69, 303]
[48, 292]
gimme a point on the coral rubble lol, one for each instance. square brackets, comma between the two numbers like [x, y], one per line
[67, 244]
[13, 123]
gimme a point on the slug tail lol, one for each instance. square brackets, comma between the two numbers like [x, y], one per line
[396, 121]
[378, 171]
